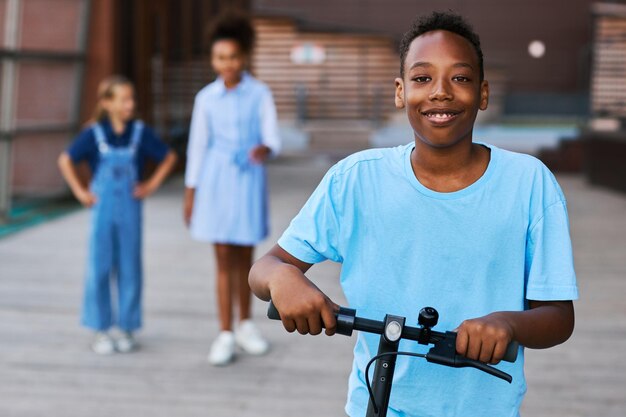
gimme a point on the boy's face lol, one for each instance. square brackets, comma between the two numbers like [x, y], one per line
[228, 60]
[441, 89]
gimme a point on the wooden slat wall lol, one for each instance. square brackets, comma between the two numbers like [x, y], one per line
[608, 90]
[356, 81]
[174, 89]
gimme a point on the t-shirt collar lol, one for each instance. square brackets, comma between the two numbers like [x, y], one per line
[480, 182]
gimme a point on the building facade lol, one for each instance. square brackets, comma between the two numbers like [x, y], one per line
[53, 55]
[325, 60]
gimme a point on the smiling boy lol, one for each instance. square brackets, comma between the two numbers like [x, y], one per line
[477, 232]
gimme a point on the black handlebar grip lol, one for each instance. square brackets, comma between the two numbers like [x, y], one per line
[345, 318]
[272, 313]
[511, 352]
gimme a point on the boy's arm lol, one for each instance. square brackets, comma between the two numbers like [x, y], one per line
[280, 276]
[145, 188]
[68, 171]
[545, 324]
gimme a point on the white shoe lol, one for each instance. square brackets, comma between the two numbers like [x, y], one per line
[248, 338]
[126, 343]
[103, 344]
[223, 349]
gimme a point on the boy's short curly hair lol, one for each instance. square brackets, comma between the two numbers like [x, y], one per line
[231, 25]
[449, 21]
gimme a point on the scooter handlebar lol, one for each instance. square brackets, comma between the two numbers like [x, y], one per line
[347, 322]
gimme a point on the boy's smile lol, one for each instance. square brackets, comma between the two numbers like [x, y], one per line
[441, 116]
[441, 89]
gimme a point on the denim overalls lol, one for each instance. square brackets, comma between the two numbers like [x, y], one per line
[115, 246]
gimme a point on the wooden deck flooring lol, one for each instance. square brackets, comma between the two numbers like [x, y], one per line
[47, 369]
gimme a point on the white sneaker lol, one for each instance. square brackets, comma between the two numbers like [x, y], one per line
[223, 349]
[103, 344]
[126, 343]
[248, 338]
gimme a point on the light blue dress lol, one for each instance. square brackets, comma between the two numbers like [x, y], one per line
[230, 203]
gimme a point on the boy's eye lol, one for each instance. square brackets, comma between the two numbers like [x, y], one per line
[421, 79]
[461, 78]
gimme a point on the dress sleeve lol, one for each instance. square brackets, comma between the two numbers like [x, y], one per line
[198, 142]
[549, 261]
[313, 235]
[269, 124]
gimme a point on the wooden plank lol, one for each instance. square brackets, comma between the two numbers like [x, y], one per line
[334, 88]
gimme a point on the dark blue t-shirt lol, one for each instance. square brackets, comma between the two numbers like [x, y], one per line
[84, 147]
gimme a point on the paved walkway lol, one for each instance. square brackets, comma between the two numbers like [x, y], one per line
[47, 369]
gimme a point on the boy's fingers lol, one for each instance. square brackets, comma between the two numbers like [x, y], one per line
[498, 352]
[473, 348]
[302, 326]
[315, 325]
[462, 342]
[289, 325]
[329, 319]
[486, 351]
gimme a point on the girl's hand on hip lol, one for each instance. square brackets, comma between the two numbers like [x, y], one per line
[144, 189]
[259, 154]
[485, 338]
[86, 197]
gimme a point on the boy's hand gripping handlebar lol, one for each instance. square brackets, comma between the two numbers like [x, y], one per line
[443, 352]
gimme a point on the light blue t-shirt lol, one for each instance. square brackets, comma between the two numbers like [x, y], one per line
[489, 247]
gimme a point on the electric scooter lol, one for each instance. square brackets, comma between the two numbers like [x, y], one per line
[391, 330]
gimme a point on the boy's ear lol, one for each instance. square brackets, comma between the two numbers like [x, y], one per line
[484, 95]
[399, 99]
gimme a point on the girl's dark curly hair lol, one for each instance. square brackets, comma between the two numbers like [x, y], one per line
[231, 25]
[448, 21]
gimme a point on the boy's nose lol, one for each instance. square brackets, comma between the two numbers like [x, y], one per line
[441, 91]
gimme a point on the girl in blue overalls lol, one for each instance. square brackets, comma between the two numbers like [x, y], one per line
[116, 148]
[233, 132]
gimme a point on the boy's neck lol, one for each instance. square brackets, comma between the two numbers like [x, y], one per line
[449, 169]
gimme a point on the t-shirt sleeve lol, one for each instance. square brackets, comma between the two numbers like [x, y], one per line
[549, 260]
[83, 147]
[152, 147]
[313, 235]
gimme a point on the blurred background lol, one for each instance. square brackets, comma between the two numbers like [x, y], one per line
[556, 71]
